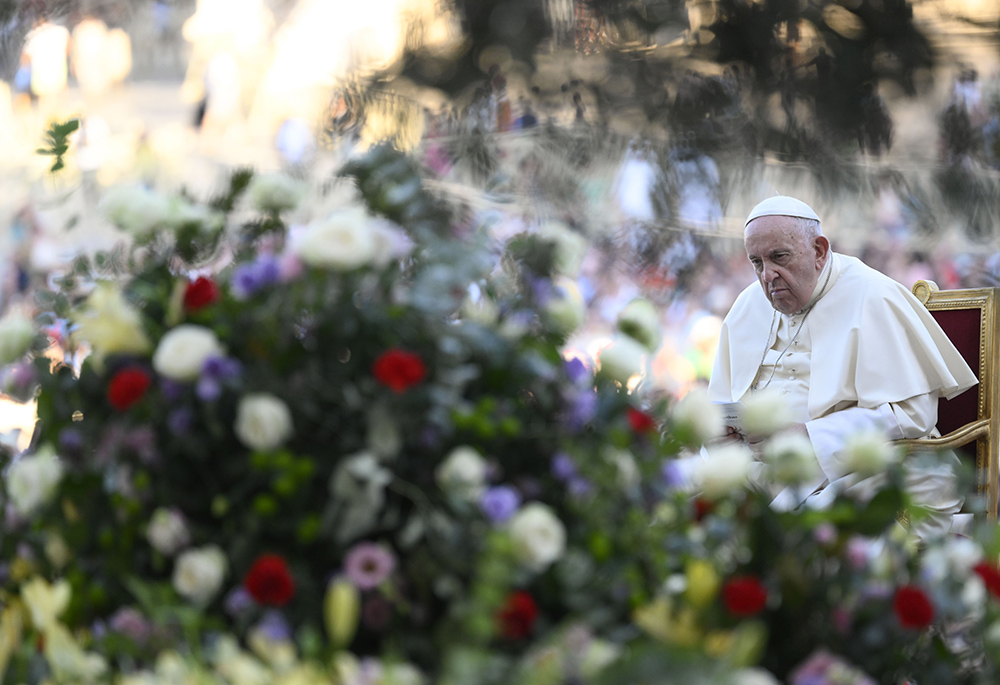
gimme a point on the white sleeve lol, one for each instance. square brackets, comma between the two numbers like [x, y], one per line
[911, 418]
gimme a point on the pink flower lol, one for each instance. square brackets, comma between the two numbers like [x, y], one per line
[367, 565]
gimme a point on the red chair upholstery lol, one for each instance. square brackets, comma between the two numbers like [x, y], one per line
[970, 422]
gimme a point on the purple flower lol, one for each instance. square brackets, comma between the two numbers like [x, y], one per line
[671, 474]
[563, 467]
[582, 408]
[131, 623]
[250, 278]
[238, 601]
[542, 289]
[208, 389]
[179, 421]
[70, 440]
[823, 668]
[579, 486]
[221, 368]
[214, 372]
[500, 503]
[172, 390]
[575, 369]
[367, 565]
[275, 626]
[825, 534]
[142, 441]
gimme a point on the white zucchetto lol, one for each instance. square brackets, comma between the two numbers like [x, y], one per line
[782, 205]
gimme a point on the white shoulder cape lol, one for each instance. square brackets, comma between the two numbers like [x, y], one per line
[872, 342]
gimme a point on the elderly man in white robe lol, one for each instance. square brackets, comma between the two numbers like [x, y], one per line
[847, 347]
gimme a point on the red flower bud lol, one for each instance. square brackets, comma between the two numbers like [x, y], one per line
[200, 293]
[744, 595]
[912, 607]
[269, 581]
[398, 369]
[990, 576]
[640, 421]
[517, 616]
[127, 387]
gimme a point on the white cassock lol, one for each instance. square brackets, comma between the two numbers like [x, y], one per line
[863, 355]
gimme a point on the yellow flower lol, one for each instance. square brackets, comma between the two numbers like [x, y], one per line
[45, 602]
[702, 583]
[719, 643]
[68, 660]
[677, 628]
[110, 324]
[11, 625]
[341, 611]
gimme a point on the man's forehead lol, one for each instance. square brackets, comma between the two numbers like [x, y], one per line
[772, 233]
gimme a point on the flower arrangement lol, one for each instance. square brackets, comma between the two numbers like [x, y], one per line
[351, 451]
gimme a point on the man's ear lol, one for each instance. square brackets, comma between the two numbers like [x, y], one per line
[821, 244]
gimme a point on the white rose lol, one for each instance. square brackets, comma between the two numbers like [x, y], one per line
[791, 458]
[565, 311]
[571, 247]
[183, 350]
[463, 472]
[723, 470]
[622, 359]
[952, 559]
[390, 242]
[344, 241]
[538, 535]
[766, 412]
[628, 471]
[868, 453]
[180, 213]
[198, 573]
[276, 192]
[263, 421]
[753, 676]
[32, 480]
[696, 414]
[16, 334]
[974, 596]
[167, 532]
[135, 209]
[110, 324]
[641, 321]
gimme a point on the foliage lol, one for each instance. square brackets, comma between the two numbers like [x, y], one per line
[353, 452]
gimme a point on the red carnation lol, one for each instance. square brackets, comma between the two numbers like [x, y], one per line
[399, 369]
[744, 595]
[912, 607]
[127, 387]
[702, 508]
[640, 421]
[200, 293]
[517, 616]
[269, 582]
[990, 576]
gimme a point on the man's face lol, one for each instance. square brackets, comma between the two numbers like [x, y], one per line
[787, 261]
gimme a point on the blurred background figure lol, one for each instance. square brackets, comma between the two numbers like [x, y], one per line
[46, 48]
[89, 56]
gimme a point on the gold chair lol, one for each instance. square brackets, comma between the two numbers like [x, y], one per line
[970, 319]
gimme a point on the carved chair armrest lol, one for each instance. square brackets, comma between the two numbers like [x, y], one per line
[958, 437]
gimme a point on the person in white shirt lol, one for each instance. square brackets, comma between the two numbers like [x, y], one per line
[849, 348]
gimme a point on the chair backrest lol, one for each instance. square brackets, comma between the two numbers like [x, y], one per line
[970, 319]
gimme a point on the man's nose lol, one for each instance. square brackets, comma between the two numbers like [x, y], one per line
[769, 274]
